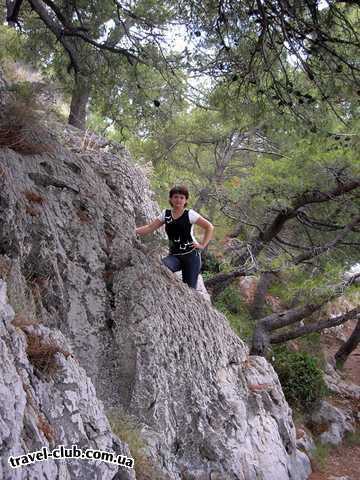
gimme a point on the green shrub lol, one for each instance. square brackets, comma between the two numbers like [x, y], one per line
[210, 263]
[11, 42]
[300, 377]
[230, 303]
[206, 275]
[242, 325]
[311, 344]
[24, 90]
[231, 299]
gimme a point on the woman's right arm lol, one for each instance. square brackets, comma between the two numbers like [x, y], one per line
[149, 228]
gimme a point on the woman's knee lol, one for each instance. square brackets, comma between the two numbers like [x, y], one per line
[172, 263]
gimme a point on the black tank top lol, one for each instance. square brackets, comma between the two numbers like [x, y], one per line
[179, 232]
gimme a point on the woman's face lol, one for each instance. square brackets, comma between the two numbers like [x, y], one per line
[178, 200]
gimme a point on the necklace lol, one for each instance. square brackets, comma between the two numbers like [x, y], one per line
[175, 218]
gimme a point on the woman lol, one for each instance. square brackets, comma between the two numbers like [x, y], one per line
[184, 250]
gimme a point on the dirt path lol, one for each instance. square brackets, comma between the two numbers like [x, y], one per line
[342, 461]
[331, 344]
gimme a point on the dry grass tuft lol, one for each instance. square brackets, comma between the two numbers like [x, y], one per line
[89, 142]
[16, 139]
[83, 216]
[20, 122]
[34, 197]
[32, 211]
[42, 354]
[41, 420]
[46, 428]
[21, 320]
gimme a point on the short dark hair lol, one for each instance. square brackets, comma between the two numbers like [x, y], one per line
[179, 189]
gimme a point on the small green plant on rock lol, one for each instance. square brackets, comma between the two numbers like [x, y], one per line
[353, 438]
[126, 428]
[320, 456]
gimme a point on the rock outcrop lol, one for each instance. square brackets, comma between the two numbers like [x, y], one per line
[332, 422]
[151, 345]
[338, 386]
[39, 408]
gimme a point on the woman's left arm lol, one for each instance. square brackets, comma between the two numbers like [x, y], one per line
[209, 228]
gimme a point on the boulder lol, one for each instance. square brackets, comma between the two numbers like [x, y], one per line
[331, 423]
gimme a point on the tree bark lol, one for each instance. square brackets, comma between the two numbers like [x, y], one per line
[203, 198]
[220, 281]
[261, 339]
[238, 229]
[349, 346]
[257, 306]
[79, 101]
[314, 327]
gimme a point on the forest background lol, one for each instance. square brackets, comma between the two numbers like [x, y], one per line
[255, 106]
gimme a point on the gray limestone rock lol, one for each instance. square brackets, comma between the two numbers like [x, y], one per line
[150, 345]
[333, 422]
[305, 442]
[41, 409]
[304, 465]
[336, 384]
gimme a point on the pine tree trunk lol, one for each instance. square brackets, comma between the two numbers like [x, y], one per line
[79, 101]
[202, 199]
[257, 306]
[260, 341]
[352, 342]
